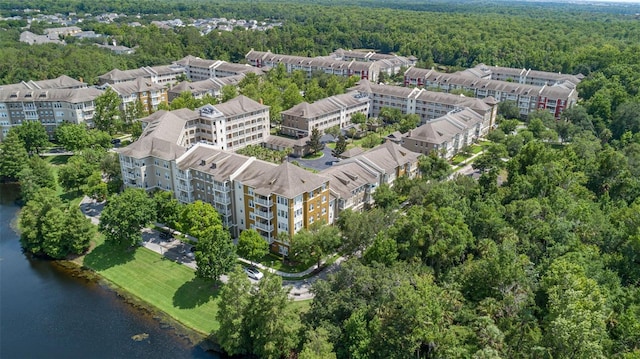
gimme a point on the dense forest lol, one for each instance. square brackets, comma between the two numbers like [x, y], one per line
[538, 258]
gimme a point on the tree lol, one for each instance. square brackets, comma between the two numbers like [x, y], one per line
[50, 228]
[38, 174]
[314, 243]
[272, 325]
[314, 141]
[234, 301]
[228, 92]
[107, 113]
[73, 137]
[215, 254]
[125, 215]
[390, 115]
[198, 219]
[95, 187]
[184, 100]
[291, 96]
[13, 156]
[626, 118]
[251, 245]
[75, 173]
[132, 112]
[333, 131]
[317, 345]
[167, 207]
[360, 228]
[385, 198]
[341, 146]
[33, 135]
[359, 118]
[371, 141]
[508, 109]
[409, 122]
[433, 167]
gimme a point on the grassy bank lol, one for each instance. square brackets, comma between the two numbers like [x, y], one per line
[171, 287]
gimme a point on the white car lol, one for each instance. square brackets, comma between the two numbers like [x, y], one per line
[253, 273]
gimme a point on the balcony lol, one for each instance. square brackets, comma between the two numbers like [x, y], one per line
[264, 226]
[263, 214]
[127, 164]
[225, 200]
[185, 198]
[184, 187]
[184, 175]
[263, 202]
[130, 175]
[221, 188]
[223, 212]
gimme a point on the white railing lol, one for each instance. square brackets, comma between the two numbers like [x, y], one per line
[264, 227]
[263, 214]
[263, 202]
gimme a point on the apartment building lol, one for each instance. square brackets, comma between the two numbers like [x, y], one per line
[249, 193]
[390, 64]
[529, 98]
[246, 122]
[426, 104]
[337, 110]
[51, 102]
[157, 74]
[523, 76]
[199, 89]
[309, 65]
[140, 90]
[446, 135]
[198, 69]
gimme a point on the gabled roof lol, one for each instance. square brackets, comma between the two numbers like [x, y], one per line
[159, 139]
[388, 156]
[445, 128]
[287, 180]
[344, 177]
[240, 105]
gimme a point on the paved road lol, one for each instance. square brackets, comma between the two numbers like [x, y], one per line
[321, 163]
[180, 252]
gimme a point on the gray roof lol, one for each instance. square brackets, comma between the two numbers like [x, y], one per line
[445, 128]
[287, 180]
[221, 165]
[160, 138]
[326, 105]
[388, 156]
[206, 85]
[60, 82]
[286, 142]
[193, 61]
[130, 75]
[73, 95]
[344, 177]
[239, 105]
[139, 85]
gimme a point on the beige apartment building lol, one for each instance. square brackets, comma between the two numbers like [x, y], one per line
[529, 98]
[51, 102]
[165, 74]
[199, 89]
[337, 110]
[142, 90]
[198, 69]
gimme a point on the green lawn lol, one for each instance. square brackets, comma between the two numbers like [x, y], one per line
[476, 148]
[57, 160]
[171, 287]
[275, 261]
[313, 156]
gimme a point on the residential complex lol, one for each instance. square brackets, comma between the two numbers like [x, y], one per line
[198, 69]
[332, 111]
[553, 98]
[52, 102]
[198, 89]
[523, 76]
[157, 74]
[142, 90]
[446, 135]
[309, 65]
[389, 64]
[426, 104]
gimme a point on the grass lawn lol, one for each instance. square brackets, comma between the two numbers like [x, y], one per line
[274, 261]
[476, 149]
[314, 156]
[459, 158]
[57, 160]
[171, 287]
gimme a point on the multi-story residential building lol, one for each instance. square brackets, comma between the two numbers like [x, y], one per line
[156, 74]
[62, 31]
[389, 64]
[198, 89]
[141, 90]
[446, 135]
[322, 114]
[50, 102]
[198, 69]
[352, 185]
[246, 122]
[523, 76]
[529, 98]
[309, 65]
[426, 104]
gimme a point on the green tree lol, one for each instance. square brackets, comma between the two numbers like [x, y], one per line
[33, 135]
[50, 228]
[371, 140]
[198, 219]
[508, 109]
[37, 174]
[75, 173]
[215, 254]
[167, 207]
[272, 324]
[228, 92]
[359, 118]
[95, 187]
[408, 122]
[385, 198]
[291, 96]
[341, 145]
[133, 111]
[107, 115]
[333, 131]
[314, 243]
[251, 245]
[314, 141]
[125, 215]
[73, 137]
[234, 301]
[626, 118]
[13, 156]
[433, 167]
[317, 345]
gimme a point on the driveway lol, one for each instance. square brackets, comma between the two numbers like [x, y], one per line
[321, 163]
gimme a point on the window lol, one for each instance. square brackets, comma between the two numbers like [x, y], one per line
[311, 207]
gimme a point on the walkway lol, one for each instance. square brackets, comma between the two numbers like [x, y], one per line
[180, 252]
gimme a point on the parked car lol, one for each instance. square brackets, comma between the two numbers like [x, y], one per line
[253, 273]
